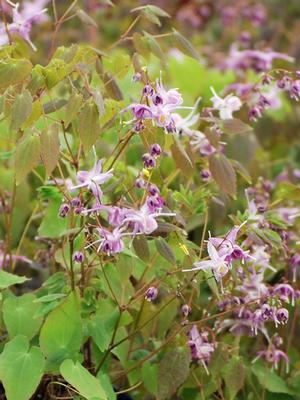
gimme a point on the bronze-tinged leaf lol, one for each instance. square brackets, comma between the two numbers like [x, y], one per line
[241, 170]
[27, 156]
[235, 126]
[173, 370]
[165, 250]
[181, 158]
[21, 109]
[85, 18]
[54, 105]
[141, 247]
[98, 99]
[212, 136]
[73, 106]
[223, 173]
[89, 125]
[184, 45]
[112, 88]
[50, 148]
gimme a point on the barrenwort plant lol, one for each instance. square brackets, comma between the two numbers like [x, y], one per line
[149, 200]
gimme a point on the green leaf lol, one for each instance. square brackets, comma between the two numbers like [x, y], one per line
[154, 47]
[89, 125]
[52, 225]
[18, 316]
[61, 334]
[140, 44]
[27, 156]
[7, 279]
[234, 376]
[269, 379]
[82, 380]
[13, 72]
[50, 148]
[184, 45]
[21, 109]
[140, 245]
[241, 170]
[73, 106]
[165, 250]
[173, 370]
[149, 377]
[21, 368]
[223, 173]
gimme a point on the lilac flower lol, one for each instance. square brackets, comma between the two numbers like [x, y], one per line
[64, 210]
[22, 20]
[144, 219]
[5, 259]
[109, 242]
[92, 179]
[259, 61]
[285, 293]
[201, 348]
[225, 106]
[227, 246]
[216, 263]
[273, 356]
[262, 259]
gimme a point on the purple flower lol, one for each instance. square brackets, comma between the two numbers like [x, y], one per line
[64, 210]
[282, 315]
[225, 106]
[5, 259]
[92, 179]
[285, 292]
[216, 263]
[109, 242]
[273, 356]
[149, 161]
[151, 293]
[295, 263]
[186, 310]
[155, 150]
[201, 348]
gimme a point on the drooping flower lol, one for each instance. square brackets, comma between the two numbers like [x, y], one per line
[109, 242]
[5, 259]
[273, 356]
[201, 348]
[93, 179]
[151, 293]
[225, 106]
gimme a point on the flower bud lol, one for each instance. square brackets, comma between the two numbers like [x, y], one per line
[78, 257]
[149, 161]
[75, 202]
[155, 150]
[186, 310]
[64, 210]
[151, 293]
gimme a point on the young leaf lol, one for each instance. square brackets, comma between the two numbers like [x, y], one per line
[27, 156]
[223, 173]
[18, 316]
[50, 148]
[173, 370]
[112, 88]
[141, 45]
[234, 376]
[184, 45]
[165, 250]
[61, 334]
[154, 47]
[82, 380]
[7, 279]
[21, 368]
[72, 108]
[21, 109]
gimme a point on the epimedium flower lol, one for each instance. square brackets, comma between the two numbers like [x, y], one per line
[110, 242]
[22, 20]
[201, 348]
[273, 356]
[216, 263]
[93, 179]
[225, 106]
